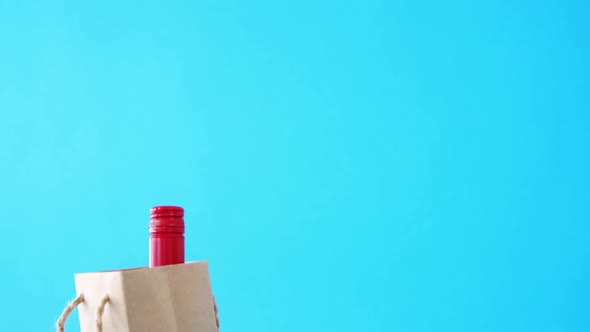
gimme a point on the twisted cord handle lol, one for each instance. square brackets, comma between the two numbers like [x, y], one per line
[100, 311]
[61, 322]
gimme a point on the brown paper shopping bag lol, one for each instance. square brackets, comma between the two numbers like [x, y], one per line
[173, 298]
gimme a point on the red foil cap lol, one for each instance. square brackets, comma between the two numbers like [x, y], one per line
[166, 219]
[166, 235]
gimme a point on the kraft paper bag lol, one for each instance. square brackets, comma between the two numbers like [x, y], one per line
[173, 298]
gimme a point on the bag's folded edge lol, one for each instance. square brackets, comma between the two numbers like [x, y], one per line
[142, 268]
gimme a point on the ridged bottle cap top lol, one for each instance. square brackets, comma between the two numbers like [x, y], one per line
[166, 219]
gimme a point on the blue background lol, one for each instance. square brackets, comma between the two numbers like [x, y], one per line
[344, 165]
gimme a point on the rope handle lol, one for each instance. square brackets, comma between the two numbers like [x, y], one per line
[216, 311]
[61, 322]
[100, 311]
[67, 311]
